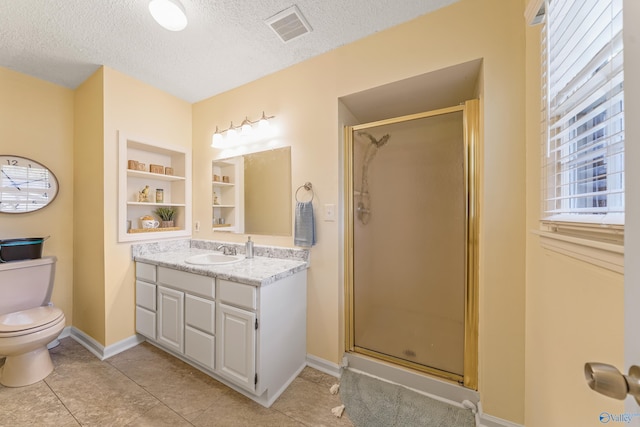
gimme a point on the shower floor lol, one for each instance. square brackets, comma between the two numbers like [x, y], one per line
[420, 338]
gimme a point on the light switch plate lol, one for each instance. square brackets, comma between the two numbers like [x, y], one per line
[329, 212]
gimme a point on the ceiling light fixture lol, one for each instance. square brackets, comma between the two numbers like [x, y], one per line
[169, 14]
[246, 129]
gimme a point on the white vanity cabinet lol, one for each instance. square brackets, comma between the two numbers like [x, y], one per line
[252, 338]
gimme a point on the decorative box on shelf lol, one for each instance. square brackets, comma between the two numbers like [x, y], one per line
[156, 169]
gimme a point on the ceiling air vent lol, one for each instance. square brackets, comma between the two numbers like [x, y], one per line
[289, 24]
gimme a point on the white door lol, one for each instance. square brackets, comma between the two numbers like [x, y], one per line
[236, 346]
[171, 318]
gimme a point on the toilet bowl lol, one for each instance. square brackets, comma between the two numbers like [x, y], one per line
[28, 322]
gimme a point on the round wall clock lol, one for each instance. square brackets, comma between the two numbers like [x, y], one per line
[25, 185]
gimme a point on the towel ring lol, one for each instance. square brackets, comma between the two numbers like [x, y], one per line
[307, 186]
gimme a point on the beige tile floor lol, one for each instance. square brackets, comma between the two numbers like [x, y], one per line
[145, 386]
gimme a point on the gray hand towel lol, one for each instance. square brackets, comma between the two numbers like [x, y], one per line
[305, 229]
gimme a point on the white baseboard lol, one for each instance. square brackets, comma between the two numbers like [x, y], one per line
[98, 349]
[323, 365]
[491, 421]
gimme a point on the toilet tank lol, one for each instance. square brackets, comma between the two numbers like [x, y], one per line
[26, 284]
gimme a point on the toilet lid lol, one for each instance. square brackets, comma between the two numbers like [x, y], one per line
[28, 319]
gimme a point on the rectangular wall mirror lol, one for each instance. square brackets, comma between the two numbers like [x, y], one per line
[252, 193]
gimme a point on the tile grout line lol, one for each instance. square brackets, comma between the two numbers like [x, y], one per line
[61, 402]
[149, 393]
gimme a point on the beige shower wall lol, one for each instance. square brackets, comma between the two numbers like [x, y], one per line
[304, 99]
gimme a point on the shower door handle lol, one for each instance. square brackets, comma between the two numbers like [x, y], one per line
[607, 380]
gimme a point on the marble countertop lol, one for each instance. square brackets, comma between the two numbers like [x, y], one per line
[257, 271]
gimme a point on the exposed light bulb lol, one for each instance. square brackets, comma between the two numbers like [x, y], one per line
[231, 132]
[169, 14]
[263, 123]
[246, 127]
[216, 140]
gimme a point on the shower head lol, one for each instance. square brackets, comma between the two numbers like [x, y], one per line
[376, 143]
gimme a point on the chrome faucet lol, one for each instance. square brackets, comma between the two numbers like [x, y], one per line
[227, 250]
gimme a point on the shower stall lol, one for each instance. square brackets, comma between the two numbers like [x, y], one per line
[411, 241]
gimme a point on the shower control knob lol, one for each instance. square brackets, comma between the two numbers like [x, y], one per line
[608, 380]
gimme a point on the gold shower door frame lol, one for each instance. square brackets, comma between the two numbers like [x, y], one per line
[471, 122]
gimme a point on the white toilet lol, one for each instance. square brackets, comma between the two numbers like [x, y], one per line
[27, 320]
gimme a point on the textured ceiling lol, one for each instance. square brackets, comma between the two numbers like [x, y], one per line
[225, 45]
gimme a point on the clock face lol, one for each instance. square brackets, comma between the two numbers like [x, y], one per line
[25, 185]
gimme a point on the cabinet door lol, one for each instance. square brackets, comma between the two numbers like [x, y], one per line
[236, 346]
[171, 318]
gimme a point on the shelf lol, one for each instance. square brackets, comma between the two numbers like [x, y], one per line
[153, 230]
[222, 184]
[223, 206]
[221, 225]
[156, 176]
[154, 204]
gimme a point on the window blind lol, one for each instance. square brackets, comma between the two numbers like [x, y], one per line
[583, 79]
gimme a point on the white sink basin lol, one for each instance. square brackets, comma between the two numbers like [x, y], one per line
[213, 259]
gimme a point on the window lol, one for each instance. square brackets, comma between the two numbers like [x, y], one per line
[583, 117]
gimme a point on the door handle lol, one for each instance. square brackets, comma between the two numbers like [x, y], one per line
[607, 380]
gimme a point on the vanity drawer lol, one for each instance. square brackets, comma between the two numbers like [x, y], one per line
[203, 286]
[146, 272]
[200, 313]
[199, 347]
[146, 322]
[237, 294]
[146, 295]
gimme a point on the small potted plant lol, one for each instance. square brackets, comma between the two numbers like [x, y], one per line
[166, 215]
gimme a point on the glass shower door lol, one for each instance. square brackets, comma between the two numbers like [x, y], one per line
[409, 241]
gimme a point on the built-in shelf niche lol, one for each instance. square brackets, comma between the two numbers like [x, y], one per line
[228, 197]
[176, 187]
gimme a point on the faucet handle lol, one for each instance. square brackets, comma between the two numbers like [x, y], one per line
[227, 250]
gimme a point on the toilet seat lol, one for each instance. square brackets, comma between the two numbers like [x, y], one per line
[29, 321]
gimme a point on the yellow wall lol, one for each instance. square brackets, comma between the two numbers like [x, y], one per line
[36, 121]
[89, 268]
[106, 103]
[304, 98]
[138, 109]
[573, 309]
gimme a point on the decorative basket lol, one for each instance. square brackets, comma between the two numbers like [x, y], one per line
[21, 249]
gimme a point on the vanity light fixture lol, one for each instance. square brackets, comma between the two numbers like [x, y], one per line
[245, 129]
[169, 14]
